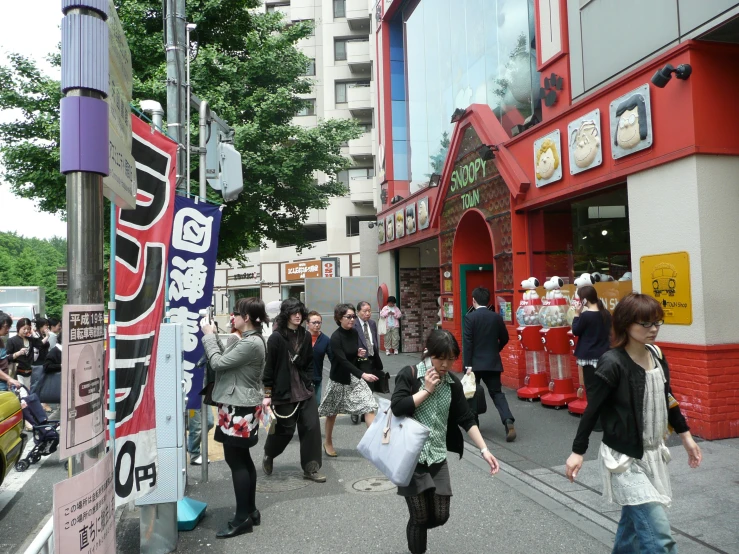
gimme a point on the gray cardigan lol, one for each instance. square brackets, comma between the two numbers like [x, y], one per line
[239, 368]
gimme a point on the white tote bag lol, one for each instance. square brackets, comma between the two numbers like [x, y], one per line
[393, 444]
[382, 326]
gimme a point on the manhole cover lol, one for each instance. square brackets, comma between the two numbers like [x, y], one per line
[281, 481]
[373, 484]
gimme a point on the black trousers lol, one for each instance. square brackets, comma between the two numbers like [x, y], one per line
[309, 432]
[492, 382]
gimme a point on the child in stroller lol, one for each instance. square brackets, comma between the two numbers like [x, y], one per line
[45, 432]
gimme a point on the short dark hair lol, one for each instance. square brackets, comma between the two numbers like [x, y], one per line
[633, 308]
[40, 322]
[481, 295]
[254, 308]
[636, 101]
[5, 319]
[22, 322]
[362, 303]
[391, 299]
[53, 322]
[287, 308]
[441, 344]
[312, 313]
[340, 311]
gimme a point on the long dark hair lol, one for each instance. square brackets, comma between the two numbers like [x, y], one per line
[22, 322]
[634, 308]
[254, 308]
[589, 293]
[287, 308]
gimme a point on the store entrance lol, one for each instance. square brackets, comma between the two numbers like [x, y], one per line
[472, 276]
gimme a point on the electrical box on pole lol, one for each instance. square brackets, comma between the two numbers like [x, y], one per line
[231, 179]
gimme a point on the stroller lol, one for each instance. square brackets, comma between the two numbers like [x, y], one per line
[45, 432]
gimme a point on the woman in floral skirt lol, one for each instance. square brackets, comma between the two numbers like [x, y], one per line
[238, 392]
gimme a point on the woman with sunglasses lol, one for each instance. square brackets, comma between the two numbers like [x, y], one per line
[631, 394]
[432, 395]
[347, 391]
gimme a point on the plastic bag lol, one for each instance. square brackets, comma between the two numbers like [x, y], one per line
[468, 385]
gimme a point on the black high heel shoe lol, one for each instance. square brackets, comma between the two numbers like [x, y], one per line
[247, 526]
[256, 518]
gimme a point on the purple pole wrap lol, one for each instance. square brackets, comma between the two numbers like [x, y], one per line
[84, 135]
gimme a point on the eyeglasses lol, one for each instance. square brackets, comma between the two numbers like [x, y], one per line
[624, 121]
[316, 322]
[649, 324]
[350, 317]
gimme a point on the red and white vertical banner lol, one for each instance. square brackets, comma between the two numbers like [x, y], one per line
[143, 236]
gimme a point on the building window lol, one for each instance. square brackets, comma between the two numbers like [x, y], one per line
[312, 24]
[309, 108]
[271, 8]
[352, 223]
[315, 232]
[340, 50]
[339, 8]
[342, 87]
[310, 70]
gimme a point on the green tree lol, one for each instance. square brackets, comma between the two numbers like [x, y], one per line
[249, 69]
[438, 159]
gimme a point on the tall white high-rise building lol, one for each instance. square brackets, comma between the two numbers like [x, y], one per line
[342, 50]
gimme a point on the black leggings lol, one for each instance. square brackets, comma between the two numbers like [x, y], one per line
[244, 476]
[427, 510]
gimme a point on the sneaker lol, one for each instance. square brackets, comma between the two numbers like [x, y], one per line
[510, 431]
[197, 461]
[387, 352]
[267, 465]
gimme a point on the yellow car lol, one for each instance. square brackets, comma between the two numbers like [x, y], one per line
[12, 438]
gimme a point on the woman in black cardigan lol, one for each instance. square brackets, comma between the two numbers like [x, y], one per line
[348, 391]
[20, 350]
[424, 392]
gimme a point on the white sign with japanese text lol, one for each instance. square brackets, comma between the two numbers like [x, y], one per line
[83, 379]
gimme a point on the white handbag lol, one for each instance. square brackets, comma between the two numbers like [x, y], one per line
[393, 444]
[382, 326]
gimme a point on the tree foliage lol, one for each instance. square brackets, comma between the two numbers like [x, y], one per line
[33, 262]
[249, 69]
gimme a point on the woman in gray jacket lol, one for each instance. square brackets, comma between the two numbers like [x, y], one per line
[238, 392]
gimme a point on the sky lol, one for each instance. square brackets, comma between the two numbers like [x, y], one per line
[30, 27]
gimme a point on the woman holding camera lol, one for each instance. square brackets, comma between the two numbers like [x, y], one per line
[348, 390]
[20, 350]
[238, 393]
[432, 395]
[592, 326]
[631, 394]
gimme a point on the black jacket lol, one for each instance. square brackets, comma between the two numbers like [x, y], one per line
[594, 334]
[344, 345]
[15, 344]
[460, 415]
[53, 361]
[277, 369]
[484, 336]
[376, 360]
[617, 397]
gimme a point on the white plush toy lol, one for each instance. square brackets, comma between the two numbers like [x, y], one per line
[552, 287]
[587, 279]
[602, 277]
[530, 284]
[626, 276]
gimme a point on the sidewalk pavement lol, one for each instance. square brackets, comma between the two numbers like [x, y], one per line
[529, 506]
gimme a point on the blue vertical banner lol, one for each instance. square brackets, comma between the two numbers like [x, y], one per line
[192, 268]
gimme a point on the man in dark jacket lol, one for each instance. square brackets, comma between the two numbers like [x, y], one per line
[368, 339]
[321, 349]
[288, 391]
[484, 336]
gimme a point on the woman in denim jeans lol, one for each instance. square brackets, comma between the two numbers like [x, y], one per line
[631, 394]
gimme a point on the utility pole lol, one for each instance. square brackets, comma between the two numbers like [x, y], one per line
[177, 101]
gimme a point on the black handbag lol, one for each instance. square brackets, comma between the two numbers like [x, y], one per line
[478, 405]
[382, 385]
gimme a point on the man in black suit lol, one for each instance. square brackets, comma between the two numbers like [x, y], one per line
[484, 336]
[367, 330]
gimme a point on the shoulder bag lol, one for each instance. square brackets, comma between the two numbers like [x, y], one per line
[393, 444]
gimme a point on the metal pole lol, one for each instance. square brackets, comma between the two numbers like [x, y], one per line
[112, 333]
[176, 97]
[85, 252]
[189, 27]
[204, 408]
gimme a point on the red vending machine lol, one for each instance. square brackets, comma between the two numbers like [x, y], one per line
[577, 407]
[536, 382]
[555, 337]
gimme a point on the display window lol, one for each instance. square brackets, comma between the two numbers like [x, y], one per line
[588, 234]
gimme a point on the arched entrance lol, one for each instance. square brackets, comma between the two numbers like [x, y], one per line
[473, 259]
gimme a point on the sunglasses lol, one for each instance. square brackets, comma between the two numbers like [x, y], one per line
[649, 324]
[350, 317]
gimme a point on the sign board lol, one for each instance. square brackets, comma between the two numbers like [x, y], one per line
[330, 267]
[666, 277]
[302, 270]
[120, 185]
[83, 379]
[84, 510]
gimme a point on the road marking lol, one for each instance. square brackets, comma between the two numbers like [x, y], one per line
[15, 480]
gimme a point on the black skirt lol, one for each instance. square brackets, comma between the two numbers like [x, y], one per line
[425, 477]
